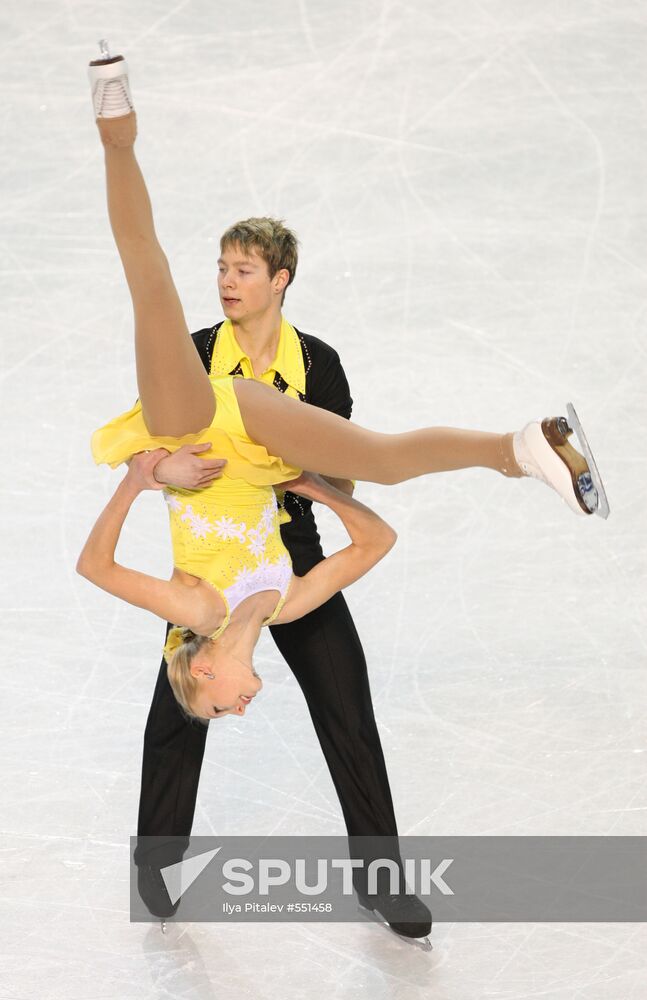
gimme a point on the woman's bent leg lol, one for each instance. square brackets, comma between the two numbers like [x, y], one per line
[174, 388]
[315, 439]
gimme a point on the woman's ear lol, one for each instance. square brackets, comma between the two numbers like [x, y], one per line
[201, 667]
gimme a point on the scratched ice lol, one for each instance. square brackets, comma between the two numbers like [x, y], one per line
[468, 185]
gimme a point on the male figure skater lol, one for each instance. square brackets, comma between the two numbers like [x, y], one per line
[258, 261]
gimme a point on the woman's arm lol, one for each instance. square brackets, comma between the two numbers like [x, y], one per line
[346, 486]
[371, 539]
[171, 600]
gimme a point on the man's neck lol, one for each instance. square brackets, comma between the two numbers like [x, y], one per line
[259, 338]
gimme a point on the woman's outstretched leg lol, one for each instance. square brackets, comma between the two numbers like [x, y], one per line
[174, 389]
[311, 438]
[315, 439]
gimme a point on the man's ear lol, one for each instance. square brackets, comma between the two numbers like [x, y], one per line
[280, 279]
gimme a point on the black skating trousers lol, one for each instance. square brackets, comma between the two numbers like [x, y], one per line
[325, 655]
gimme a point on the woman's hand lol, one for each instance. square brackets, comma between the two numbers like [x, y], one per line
[142, 467]
[309, 485]
[184, 469]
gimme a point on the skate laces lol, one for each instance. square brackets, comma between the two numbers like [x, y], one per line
[111, 98]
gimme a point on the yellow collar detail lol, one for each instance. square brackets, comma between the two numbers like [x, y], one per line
[288, 361]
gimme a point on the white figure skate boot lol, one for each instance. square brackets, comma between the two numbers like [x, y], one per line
[543, 451]
[112, 101]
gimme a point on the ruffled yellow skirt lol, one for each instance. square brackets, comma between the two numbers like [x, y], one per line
[127, 434]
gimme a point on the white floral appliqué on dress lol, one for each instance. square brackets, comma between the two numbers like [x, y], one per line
[237, 547]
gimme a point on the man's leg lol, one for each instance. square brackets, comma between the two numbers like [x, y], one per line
[325, 654]
[172, 760]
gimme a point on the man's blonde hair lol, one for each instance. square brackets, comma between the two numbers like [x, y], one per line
[270, 239]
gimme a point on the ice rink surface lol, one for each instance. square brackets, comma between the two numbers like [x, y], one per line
[468, 185]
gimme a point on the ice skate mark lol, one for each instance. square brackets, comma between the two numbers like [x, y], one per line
[601, 187]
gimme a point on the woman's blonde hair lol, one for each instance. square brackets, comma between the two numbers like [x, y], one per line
[181, 646]
[270, 239]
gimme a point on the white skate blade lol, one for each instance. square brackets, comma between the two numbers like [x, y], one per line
[602, 509]
[424, 944]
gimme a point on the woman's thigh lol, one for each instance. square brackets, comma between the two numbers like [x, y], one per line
[310, 437]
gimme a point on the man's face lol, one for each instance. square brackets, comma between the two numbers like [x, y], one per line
[244, 285]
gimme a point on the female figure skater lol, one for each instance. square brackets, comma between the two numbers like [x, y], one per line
[232, 573]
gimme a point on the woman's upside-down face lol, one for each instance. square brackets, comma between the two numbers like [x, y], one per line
[226, 685]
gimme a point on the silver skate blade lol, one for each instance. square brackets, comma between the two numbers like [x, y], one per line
[163, 926]
[424, 944]
[603, 504]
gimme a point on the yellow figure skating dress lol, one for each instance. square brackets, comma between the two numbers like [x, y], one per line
[229, 532]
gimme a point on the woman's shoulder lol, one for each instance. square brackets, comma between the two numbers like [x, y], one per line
[208, 606]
